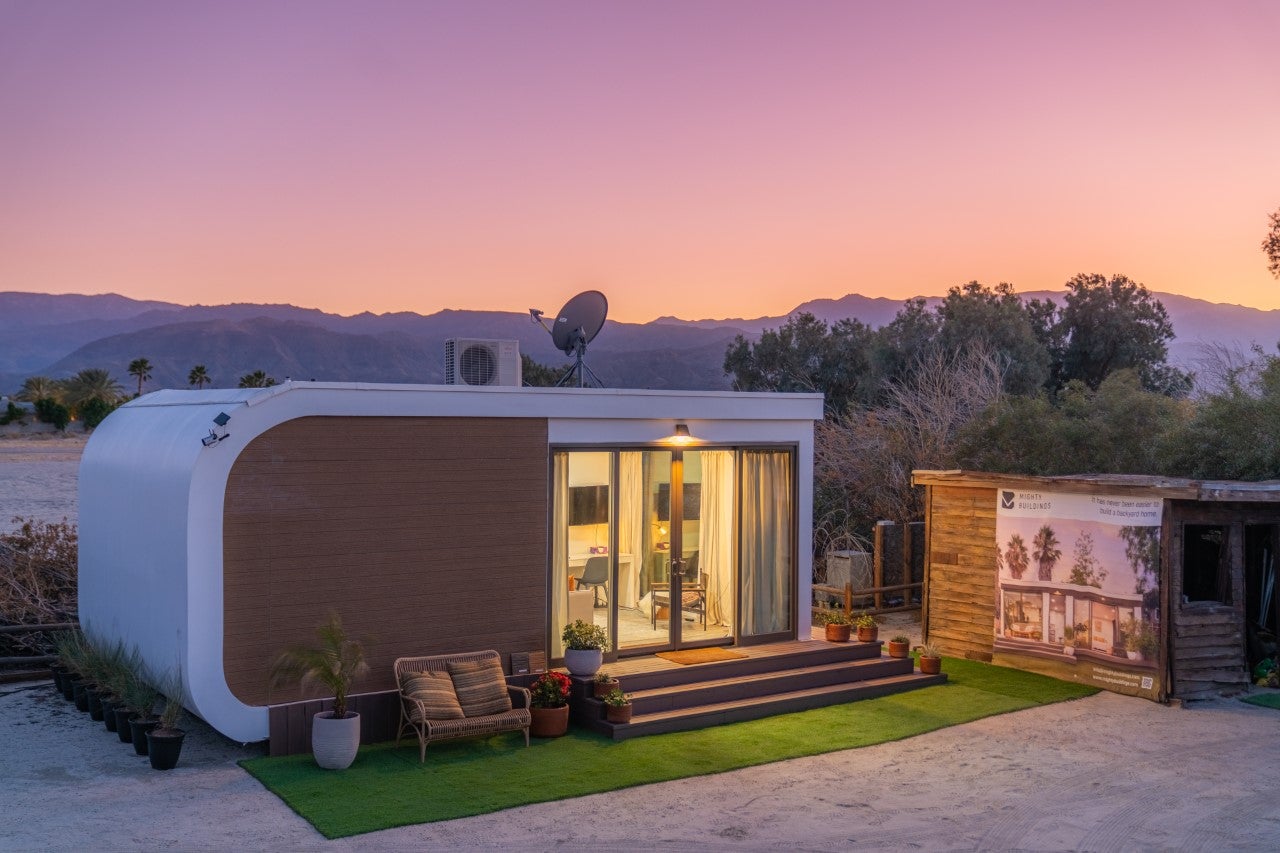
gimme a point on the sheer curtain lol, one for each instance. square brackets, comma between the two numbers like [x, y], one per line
[559, 551]
[715, 535]
[630, 526]
[766, 541]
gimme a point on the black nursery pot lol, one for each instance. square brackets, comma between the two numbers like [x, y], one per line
[95, 705]
[163, 747]
[80, 692]
[109, 714]
[140, 727]
[123, 730]
[68, 687]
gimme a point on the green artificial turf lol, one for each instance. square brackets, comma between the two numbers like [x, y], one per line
[1266, 700]
[387, 786]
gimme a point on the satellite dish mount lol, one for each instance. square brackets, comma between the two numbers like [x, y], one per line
[577, 325]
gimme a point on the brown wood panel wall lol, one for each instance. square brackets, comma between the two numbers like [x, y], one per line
[961, 570]
[427, 535]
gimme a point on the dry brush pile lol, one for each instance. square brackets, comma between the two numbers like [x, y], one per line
[37, 582]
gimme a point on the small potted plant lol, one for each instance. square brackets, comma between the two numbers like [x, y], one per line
[549, 705]
[584, 645]
[604, 684]
[900, 646]
[1069, 641]
[868, 628]
[139, 701]
[837, 625]
[334, 663]
[617, 706]
[930, 659]
[164, 742]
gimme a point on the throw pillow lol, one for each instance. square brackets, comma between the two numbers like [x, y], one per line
[481, 687]
[435, 691]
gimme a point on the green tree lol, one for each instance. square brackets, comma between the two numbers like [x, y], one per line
[50, 411]
[1271, 245]
[94, 412]
[199, 376]
[141, 369]
[804, 355]
[1112, 324]
[995, 319]
[39, 388]
[256, 379]
[1085, 569]
[1046, 552]
[1016, 557]
[535, 375]
[90, 384]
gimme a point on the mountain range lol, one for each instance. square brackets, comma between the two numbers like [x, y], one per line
[57, 335]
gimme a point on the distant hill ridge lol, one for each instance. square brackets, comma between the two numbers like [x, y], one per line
[57, 335]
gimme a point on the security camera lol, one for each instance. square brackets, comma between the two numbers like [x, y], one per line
[210, 440]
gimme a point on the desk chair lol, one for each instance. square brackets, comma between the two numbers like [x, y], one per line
[595, 574]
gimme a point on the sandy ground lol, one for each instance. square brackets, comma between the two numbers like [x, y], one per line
[1100, 774]
[38, 477]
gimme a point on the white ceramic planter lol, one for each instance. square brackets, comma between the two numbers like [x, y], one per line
[583, 661]
[334, 743]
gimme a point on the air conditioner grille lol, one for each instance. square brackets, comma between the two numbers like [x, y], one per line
[477, 365]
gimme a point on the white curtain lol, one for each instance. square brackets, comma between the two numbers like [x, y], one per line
[559, 551]
[630, 526]
[715, 535]
[766, 542]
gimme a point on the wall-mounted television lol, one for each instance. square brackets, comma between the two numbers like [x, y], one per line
[692, 501]
[588, 505]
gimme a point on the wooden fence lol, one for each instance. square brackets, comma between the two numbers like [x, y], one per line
[32, 660]
[897, 555]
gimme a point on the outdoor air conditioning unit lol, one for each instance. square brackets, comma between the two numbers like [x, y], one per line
[475, 362]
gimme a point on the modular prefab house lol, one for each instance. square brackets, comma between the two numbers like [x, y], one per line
[219, 526]
[1154, 586]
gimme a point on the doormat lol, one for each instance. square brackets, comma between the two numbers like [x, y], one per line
[688, 656]
[1266, 700]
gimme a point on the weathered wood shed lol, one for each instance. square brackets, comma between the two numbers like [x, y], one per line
[1206, 591]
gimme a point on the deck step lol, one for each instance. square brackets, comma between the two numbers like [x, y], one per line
[818, 654]
[755, 707]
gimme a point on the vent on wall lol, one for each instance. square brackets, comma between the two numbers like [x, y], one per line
[476, 362]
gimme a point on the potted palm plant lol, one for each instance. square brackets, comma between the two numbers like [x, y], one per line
[584, 645]
[549, 705]
[333, 663]
[617, 706]
[868, 628]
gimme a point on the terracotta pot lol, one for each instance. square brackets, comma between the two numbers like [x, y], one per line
[618, 713]
[837, 633]
[899, 650]
[868, 635]
[549, 722]
[335, 742]
[602, 688]
[930, 666]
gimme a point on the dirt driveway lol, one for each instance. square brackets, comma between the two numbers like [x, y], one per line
[1104, 773]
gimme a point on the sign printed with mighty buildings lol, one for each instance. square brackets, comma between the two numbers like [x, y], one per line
[1077, 588]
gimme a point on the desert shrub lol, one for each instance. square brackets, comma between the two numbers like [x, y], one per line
[50, 411]
[37, 582]
[94, 412]
[11, 414]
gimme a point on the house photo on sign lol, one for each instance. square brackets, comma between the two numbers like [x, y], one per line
[1077, 588]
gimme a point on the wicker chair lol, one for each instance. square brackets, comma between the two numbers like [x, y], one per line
[412, 715]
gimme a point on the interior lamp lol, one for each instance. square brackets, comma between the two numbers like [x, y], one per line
[681, 437]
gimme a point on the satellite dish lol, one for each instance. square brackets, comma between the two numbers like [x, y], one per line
[581, 317]
[577, 325]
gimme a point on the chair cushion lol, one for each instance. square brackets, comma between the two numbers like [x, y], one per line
[435, 691]
[481, 687]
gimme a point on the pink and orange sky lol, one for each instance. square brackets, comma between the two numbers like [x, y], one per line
[702, 159]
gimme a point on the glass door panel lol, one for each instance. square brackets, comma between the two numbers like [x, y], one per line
[646, 533]
[591, 564]
[767, 537]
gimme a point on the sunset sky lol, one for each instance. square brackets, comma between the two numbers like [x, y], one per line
[702, 159]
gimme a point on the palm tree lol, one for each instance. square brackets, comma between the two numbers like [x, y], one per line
[257, 379]
[92, 384]
[39, 388]
[140, 368]
[1016, 557]
[198, 376]
[1046, 552]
